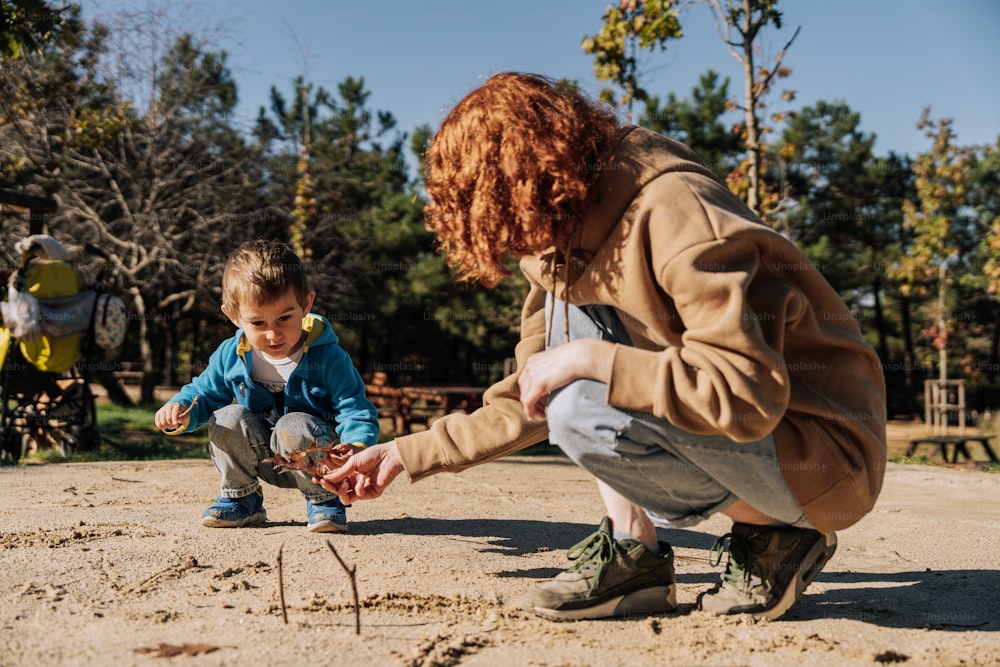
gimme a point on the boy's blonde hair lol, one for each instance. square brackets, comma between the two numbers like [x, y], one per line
[258, 272]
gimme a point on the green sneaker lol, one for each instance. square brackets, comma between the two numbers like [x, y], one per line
[610, 578]
[768, 569]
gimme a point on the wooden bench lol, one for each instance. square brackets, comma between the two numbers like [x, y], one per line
[404, 406]
[959, 443]
[389, 401]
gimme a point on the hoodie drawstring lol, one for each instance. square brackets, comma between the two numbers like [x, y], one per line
[566, 258]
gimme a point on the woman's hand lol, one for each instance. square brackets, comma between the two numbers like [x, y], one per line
[365, 475]
[544, 372]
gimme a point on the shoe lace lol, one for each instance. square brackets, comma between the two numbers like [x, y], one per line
[737, 572]
[597, 549]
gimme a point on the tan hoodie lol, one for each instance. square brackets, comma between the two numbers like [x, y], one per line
[735, 333]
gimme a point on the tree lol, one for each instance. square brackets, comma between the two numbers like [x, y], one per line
[165, 189]
[942, 230]
[327, 172]
[826, 158]
[983, 185]
[27, 25]
[632, 26]
[636, 24]
[697, 122]
[883, 241]
[378, 277]
[984, 278]
[739, 23]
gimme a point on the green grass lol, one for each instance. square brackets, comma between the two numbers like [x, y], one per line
[902, 458]
[128, 434]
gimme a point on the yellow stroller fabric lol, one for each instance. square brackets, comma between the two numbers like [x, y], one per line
[4, 343]
[50, 280]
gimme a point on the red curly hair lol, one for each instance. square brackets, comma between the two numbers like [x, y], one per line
[509, 170]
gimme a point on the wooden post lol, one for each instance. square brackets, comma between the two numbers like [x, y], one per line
[938, 404]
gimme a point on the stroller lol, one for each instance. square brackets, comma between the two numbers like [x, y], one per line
[52, 317]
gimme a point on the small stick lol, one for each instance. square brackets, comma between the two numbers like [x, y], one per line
[188, 409]
[354, 586]
[281, 586]
[181, 416]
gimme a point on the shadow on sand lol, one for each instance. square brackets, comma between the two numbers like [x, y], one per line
[952, 600]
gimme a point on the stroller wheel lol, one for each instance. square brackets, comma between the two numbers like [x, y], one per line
[64, 441]
[83, 438]
[90, 438]
[10, 447]
[29, 445]
[15, 445]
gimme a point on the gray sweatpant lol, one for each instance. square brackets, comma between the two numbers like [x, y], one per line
[678, 477]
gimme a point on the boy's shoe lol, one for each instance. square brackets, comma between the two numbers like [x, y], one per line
[328, 516]
[610, 578]
[768, 569]
[236, 512]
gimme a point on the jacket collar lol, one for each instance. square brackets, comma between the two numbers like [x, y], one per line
[316, 327]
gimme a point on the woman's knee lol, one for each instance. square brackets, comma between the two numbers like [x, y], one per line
[579, 418]
[563, 407]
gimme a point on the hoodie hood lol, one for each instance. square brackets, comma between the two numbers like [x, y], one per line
[637, 157]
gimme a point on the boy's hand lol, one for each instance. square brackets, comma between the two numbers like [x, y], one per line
[171, 417]
[365, 475]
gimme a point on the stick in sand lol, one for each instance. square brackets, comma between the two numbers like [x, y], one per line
[354, 586]
[281, 586]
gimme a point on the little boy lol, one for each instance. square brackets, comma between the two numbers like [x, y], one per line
[291, 381]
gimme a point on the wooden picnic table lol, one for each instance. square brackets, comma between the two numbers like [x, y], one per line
[451, 398]
[958, 443]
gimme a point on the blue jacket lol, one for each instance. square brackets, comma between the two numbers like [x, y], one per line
[325, 384]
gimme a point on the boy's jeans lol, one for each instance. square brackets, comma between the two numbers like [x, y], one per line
[678, 477]
[238, 441]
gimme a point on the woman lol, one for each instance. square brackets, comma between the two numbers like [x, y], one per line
[686, 355]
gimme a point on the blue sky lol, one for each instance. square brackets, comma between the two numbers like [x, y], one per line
[886, 58]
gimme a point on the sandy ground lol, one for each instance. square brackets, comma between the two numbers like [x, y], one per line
[107, 564]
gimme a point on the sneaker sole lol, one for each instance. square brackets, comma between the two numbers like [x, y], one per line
[813, 562]
[326, 527]
[659, 599]
[253, 519]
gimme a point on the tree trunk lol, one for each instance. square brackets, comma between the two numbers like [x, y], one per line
[909, 358]
[113, 386]
[994, 361]
[149, 378]
[169, 374]
[942, 325]
[750, 114]
[364, 355]
[880, 325]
